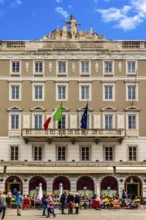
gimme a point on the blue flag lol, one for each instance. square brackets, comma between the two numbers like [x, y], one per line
[84, 118]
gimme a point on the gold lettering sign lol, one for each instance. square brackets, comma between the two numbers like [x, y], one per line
[69, 45]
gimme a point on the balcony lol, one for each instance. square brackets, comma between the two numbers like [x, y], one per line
[73, 135]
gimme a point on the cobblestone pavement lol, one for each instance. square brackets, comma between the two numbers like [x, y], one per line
[89, 214]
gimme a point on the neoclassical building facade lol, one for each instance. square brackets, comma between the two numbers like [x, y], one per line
[73, 67]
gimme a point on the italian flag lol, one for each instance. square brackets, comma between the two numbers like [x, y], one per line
[55, 116]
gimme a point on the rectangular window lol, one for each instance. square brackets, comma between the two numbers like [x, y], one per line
[108, 153]
[108, 92]
[61, 154]
[15, 92]
[132, 153]
[131, 66]
[131, 121]
[61, 92]
[62, 123]
[38, 153]
[15, 121]
[61, 67]
[38, 92]
[15, 66]
[85, 92]
[108, 121]
[108, 67]
[38, 121]
[85, 153]
[131, 92]
[38, 67]
[14, 152]
[84, 67]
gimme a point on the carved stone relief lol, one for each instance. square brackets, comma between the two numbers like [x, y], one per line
[96, 67]
[50, 67]
[26, 66]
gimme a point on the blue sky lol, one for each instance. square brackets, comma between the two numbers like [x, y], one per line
[31, 19]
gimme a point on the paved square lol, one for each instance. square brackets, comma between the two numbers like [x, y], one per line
[89, 214]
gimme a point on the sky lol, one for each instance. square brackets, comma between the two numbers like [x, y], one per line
[32, 19]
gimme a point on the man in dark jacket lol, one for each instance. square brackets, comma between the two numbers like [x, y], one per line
[70, 202]
[63, 202]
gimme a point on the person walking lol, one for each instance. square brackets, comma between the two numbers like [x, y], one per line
[50, 206]
[19, 200]
[44, 204]
[77, 203]
[3, 204]
[63, 200]
[70, 202]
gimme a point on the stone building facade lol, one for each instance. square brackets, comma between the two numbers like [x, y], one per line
[73, 67]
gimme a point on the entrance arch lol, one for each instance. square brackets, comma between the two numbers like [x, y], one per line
[65, 183]
[34, 185]
[133, 186]
[85, 186]
[109, 186]
[13, 182]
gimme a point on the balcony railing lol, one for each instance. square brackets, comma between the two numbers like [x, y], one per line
[72, 133]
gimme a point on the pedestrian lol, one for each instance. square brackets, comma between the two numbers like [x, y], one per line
[70, 202]
[50, 206]
[19, 200]
[63, 200]
[77, 203]
[44, 204]
[3, 204]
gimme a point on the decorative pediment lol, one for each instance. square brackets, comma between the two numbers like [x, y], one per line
[64, 109]
[14, 109]
[37, 109]
[108, 109]
[83, 107]
[132, 109]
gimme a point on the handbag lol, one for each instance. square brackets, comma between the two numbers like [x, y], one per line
[76, 205]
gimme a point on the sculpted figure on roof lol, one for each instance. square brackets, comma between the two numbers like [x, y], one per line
[73, 26]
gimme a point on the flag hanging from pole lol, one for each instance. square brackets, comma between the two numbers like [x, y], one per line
[84, 118]
[55, 116]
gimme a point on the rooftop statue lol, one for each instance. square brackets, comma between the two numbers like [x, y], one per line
[73, 26]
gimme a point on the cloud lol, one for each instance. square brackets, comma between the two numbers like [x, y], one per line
[58, 1]
[61, 11]
[15, 4]
[128, 17]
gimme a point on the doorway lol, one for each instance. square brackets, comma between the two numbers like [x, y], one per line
[133, 187]
[12, 183]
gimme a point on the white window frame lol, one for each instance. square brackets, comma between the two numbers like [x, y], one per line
[66, 93]
[11, 69]
[137, 121]
[108, 73]
[80, 91]
[62, 146]
[19, 124]
[132, 61]
[14, 152]
[33, 91]
[113, 92]
[33, 118]
[113, 122]
[132, 153]
[113, 153]
[89, 67]
[38, 73]
[66, 68]
[86, 145]
[10, 91]
[42, 152]
[136, 91]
